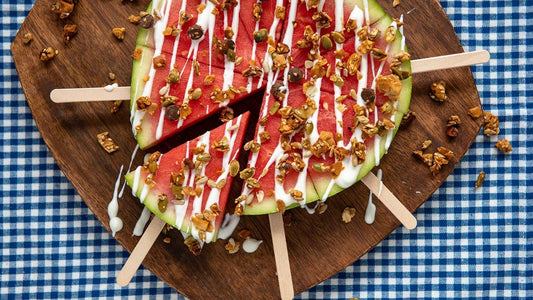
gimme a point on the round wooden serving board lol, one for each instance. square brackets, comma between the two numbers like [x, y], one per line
[319, 245]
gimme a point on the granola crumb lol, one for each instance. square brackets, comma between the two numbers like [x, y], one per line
[166, 240]
[69, 31]
[133, 19]
[111, 76]
[115, 106]
[119, 33]
[480, 179]
[347, 214]
[27, 38]
[492, 124]
[504, 145]
[106, 142]
[47, 54]
[395, 3]
[475, 112]
[232, 246]
[438, 91]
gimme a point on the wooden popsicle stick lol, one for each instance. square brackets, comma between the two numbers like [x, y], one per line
[281, 255]
[449, 61]
[139, 252]
[390, 201]
[89, 94]
[417, 66]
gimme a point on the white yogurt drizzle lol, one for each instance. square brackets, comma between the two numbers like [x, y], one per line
[115, 223]
[268, 58]
[250, 245]
[141, 222]
[229, 66]
[254, 48]
[228, 226]
[370, 212]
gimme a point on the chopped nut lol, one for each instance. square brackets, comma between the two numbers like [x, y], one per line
[69, 31]
[244, 233]
[119, 33]
[232, 246]
[63, 8]
[504, 145]
[390, 34]
[47, 54]
[166, 240]
[390, 85]
[347, 214]
[226, 114]
[438, 91]
[27, 38]
[480, 179]
[475, 112]
[137, 54]
[257, 11]
[338, 37]
[426, 144]
[322, 19]
[280, 12]
[106, 142]
[193, 245]
[408, 118]
[115, 106]
[160, 61]
[296, 195]
[280, 205]
[395, 3]
[209, 79]
[221, 145]
[351, 25]
[184, 17]
[133, 19]
[492, 124]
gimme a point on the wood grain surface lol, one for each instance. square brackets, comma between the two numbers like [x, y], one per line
[319, 245]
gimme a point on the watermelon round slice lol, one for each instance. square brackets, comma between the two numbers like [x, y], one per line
[336, 79]
[332, 126]
[188, 186]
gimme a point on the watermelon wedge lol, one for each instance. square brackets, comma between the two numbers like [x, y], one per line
[188, 186]
[345, 89]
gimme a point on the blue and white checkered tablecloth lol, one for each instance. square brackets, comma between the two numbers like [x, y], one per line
[468, 244]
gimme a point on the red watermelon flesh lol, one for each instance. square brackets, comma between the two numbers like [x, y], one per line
[335, 117]
[181, 53]
[150, 183]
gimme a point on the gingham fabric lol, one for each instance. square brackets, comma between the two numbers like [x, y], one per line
[468, 243]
